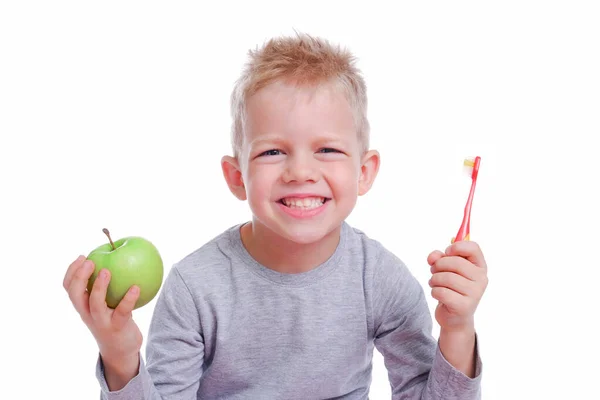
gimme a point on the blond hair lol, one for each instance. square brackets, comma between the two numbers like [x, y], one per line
[304, 60]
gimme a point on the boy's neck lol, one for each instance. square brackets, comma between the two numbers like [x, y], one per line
[285, 256]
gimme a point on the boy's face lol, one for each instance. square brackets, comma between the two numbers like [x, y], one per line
[301, 167]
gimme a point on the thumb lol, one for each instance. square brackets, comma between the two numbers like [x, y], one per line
[122, 313]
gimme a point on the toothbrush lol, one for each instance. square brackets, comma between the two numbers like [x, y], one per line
[464, 230]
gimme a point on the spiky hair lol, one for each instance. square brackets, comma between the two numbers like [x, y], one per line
[303, 60]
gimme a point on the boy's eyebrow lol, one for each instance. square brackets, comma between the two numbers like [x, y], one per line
[331, 139]
[266, 139]
[276, 139]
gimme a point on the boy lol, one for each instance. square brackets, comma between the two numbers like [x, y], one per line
[291, 304]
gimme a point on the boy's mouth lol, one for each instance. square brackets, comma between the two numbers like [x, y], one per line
[305, 203]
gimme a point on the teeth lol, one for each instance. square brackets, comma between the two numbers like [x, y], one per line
[305, 203]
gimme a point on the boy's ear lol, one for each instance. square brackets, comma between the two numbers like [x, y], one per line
[368, 171]
[233, 176]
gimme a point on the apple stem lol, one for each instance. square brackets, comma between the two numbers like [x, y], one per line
[107, 233]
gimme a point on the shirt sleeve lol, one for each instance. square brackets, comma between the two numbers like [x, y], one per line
[402, 327]
[174, 350]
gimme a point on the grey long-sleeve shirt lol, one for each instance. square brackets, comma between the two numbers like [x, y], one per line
[226, 327]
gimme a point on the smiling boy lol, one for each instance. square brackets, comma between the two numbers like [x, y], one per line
[291, 304]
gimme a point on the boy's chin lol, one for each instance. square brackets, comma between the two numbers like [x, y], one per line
[305, 235]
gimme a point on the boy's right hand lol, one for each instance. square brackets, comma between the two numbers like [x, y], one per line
[118, 337]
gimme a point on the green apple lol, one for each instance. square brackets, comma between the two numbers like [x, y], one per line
[131, 261]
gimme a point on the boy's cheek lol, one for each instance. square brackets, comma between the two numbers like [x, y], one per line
[261, 174]
[260, 185]
[342, 173]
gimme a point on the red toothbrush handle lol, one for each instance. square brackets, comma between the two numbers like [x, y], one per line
[465, 228]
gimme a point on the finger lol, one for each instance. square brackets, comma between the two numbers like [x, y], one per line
[98, 306]
[469, 250]
[457, 265]
[75, 265]
[77, 290]
[450, 298]
[453, 282]
[434, 256]
[124, 309]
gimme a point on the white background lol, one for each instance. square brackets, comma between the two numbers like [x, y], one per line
[115, 114]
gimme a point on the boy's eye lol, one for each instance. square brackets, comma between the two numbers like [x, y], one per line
[270, 153]
[329, 150]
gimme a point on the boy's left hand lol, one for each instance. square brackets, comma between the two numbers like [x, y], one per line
[458, 282]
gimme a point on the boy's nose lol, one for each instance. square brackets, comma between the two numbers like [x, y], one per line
[300, 169]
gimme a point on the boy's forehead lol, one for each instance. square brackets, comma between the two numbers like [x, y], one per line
[291, 93]
[281, 111]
